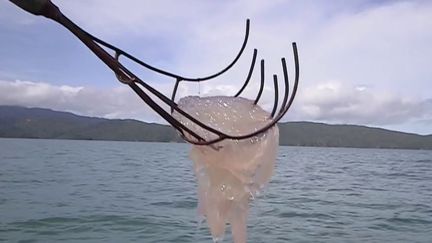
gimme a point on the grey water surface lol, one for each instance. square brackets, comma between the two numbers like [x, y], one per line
[95, 191]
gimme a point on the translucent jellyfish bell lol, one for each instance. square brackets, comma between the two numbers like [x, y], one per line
[231, 175]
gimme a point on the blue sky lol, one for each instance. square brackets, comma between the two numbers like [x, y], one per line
[362, 62]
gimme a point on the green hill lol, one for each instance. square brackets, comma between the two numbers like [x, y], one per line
[325, 135]
[20, 122]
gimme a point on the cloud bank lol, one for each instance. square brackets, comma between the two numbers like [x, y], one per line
[118, 102]
[332, 102]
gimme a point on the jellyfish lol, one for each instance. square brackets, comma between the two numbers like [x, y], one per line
[229, 173]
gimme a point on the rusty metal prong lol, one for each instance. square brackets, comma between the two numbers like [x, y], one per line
[252, 66]
[261, 84]
[276, 99]
[286, 81]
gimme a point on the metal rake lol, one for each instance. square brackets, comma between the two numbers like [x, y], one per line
[47, 9]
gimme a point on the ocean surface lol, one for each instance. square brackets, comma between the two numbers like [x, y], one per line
[95, 191]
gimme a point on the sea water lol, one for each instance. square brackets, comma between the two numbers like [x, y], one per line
[99, 191]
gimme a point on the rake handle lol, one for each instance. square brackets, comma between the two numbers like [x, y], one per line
[39, 7]
[49, 10]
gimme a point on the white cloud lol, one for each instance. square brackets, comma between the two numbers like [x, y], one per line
[342, 103]
[118, 102]
[385, 47]
[330, 102]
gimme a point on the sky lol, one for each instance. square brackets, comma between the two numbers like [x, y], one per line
[362, 62]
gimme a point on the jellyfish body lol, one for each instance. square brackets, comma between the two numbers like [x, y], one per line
[229, 177]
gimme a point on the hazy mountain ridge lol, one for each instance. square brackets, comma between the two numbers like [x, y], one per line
[20, 122]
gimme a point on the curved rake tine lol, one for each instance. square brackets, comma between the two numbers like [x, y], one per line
[285, 74]
[174, 92]
[275, 81]
[170, 74]
[297, 74]
[249, 74]
[261, 84]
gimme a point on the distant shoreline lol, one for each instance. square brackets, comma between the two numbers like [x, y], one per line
[181, 142]
[38, 123]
